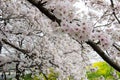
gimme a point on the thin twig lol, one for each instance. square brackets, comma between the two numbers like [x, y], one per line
[116, 46]
[113, 9]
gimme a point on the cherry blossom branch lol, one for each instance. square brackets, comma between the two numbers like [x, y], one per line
[39, 5]
[15, 47]
[8, 62]
[8, 17]
[103, 15]
[104, 25]
[91, 43]
[53, 64]
[103, 55]
[113, 9]
[21, 50]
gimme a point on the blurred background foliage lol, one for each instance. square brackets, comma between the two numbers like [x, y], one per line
[97, 71]
[102, 71]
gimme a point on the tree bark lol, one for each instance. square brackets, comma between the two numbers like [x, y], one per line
[0, 47]
[103, 55]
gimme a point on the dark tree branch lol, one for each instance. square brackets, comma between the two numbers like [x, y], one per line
[91, 43]
[0, 47]
[117, 47]
[53, 64]
[9, 62]
[103, 55]
[113, 9]
[45, 11]
[15, 47]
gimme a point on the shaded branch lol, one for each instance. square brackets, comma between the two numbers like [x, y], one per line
[103, 55]
[104, 25]
[116, 46]
[53, 64]
[2, 64]
[0, 47]
[15, 47]
[45, 11]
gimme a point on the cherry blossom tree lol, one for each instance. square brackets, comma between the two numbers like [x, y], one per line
[40, 34]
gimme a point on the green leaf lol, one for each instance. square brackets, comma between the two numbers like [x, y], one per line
[103, 69]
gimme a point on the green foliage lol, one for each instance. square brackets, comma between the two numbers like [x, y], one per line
[100, 69]
[53, 75]
[27, 77]
[95, 72]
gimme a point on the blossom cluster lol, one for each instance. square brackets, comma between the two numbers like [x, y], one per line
[103, 39]
[63, 9]
[79, 30]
